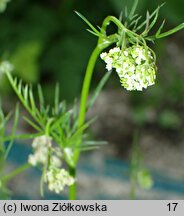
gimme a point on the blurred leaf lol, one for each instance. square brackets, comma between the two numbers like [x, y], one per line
[173, 11]
[14, 128]
[170, 32]
[169, 119]
[3, 5]
[140, 115]
[5, 193]
[119, 5]
[144, 179]
[93, 29]
[25, 60]
[66, 62]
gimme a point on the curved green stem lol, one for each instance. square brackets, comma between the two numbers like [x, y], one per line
[103, 42]
[82, 113]
[121, 28]
[85, 92]
[113, 19]
[15, 172]
[86, 85]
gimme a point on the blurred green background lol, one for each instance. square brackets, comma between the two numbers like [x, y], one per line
[47, 43]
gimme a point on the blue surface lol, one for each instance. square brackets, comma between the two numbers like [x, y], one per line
[113, 168]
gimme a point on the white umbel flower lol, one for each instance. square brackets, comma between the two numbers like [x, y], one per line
[41, 147]
[51, 159]
[55, 161]
[135, 66]
[42, 141]
[57, 179]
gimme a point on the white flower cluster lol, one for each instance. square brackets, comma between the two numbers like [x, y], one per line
[41, 146]
[134, 65]
[57, 179]
[5, 66]
[3, 5]
[50, 157]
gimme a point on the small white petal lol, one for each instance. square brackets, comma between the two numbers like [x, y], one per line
[125, 53]
[103, 55]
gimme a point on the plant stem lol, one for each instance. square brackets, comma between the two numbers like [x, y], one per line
[85, 92]
[103, 43]
[72, 188]
[82, 113]
[132, 188]
[15, 172]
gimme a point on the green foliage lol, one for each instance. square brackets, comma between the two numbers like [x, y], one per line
[139, 115]
[65, 60]
[3, 5]
[125, 6]
[25, 60]
[148, 23]
[93, 29]
[44, 42]
[50, 25]
[144, 179]
[172, 7]
[58, 121]
[139, 175]
[60, 49]
[98, 89]
[5, 193]
[176, 9]
[5, 150]
[169, 119]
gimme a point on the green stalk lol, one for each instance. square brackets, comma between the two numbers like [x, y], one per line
[15, 172]
[72, 188]
[103, 43]
[132, 188]
[82, 113]
[86, 85]
[84, 94]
